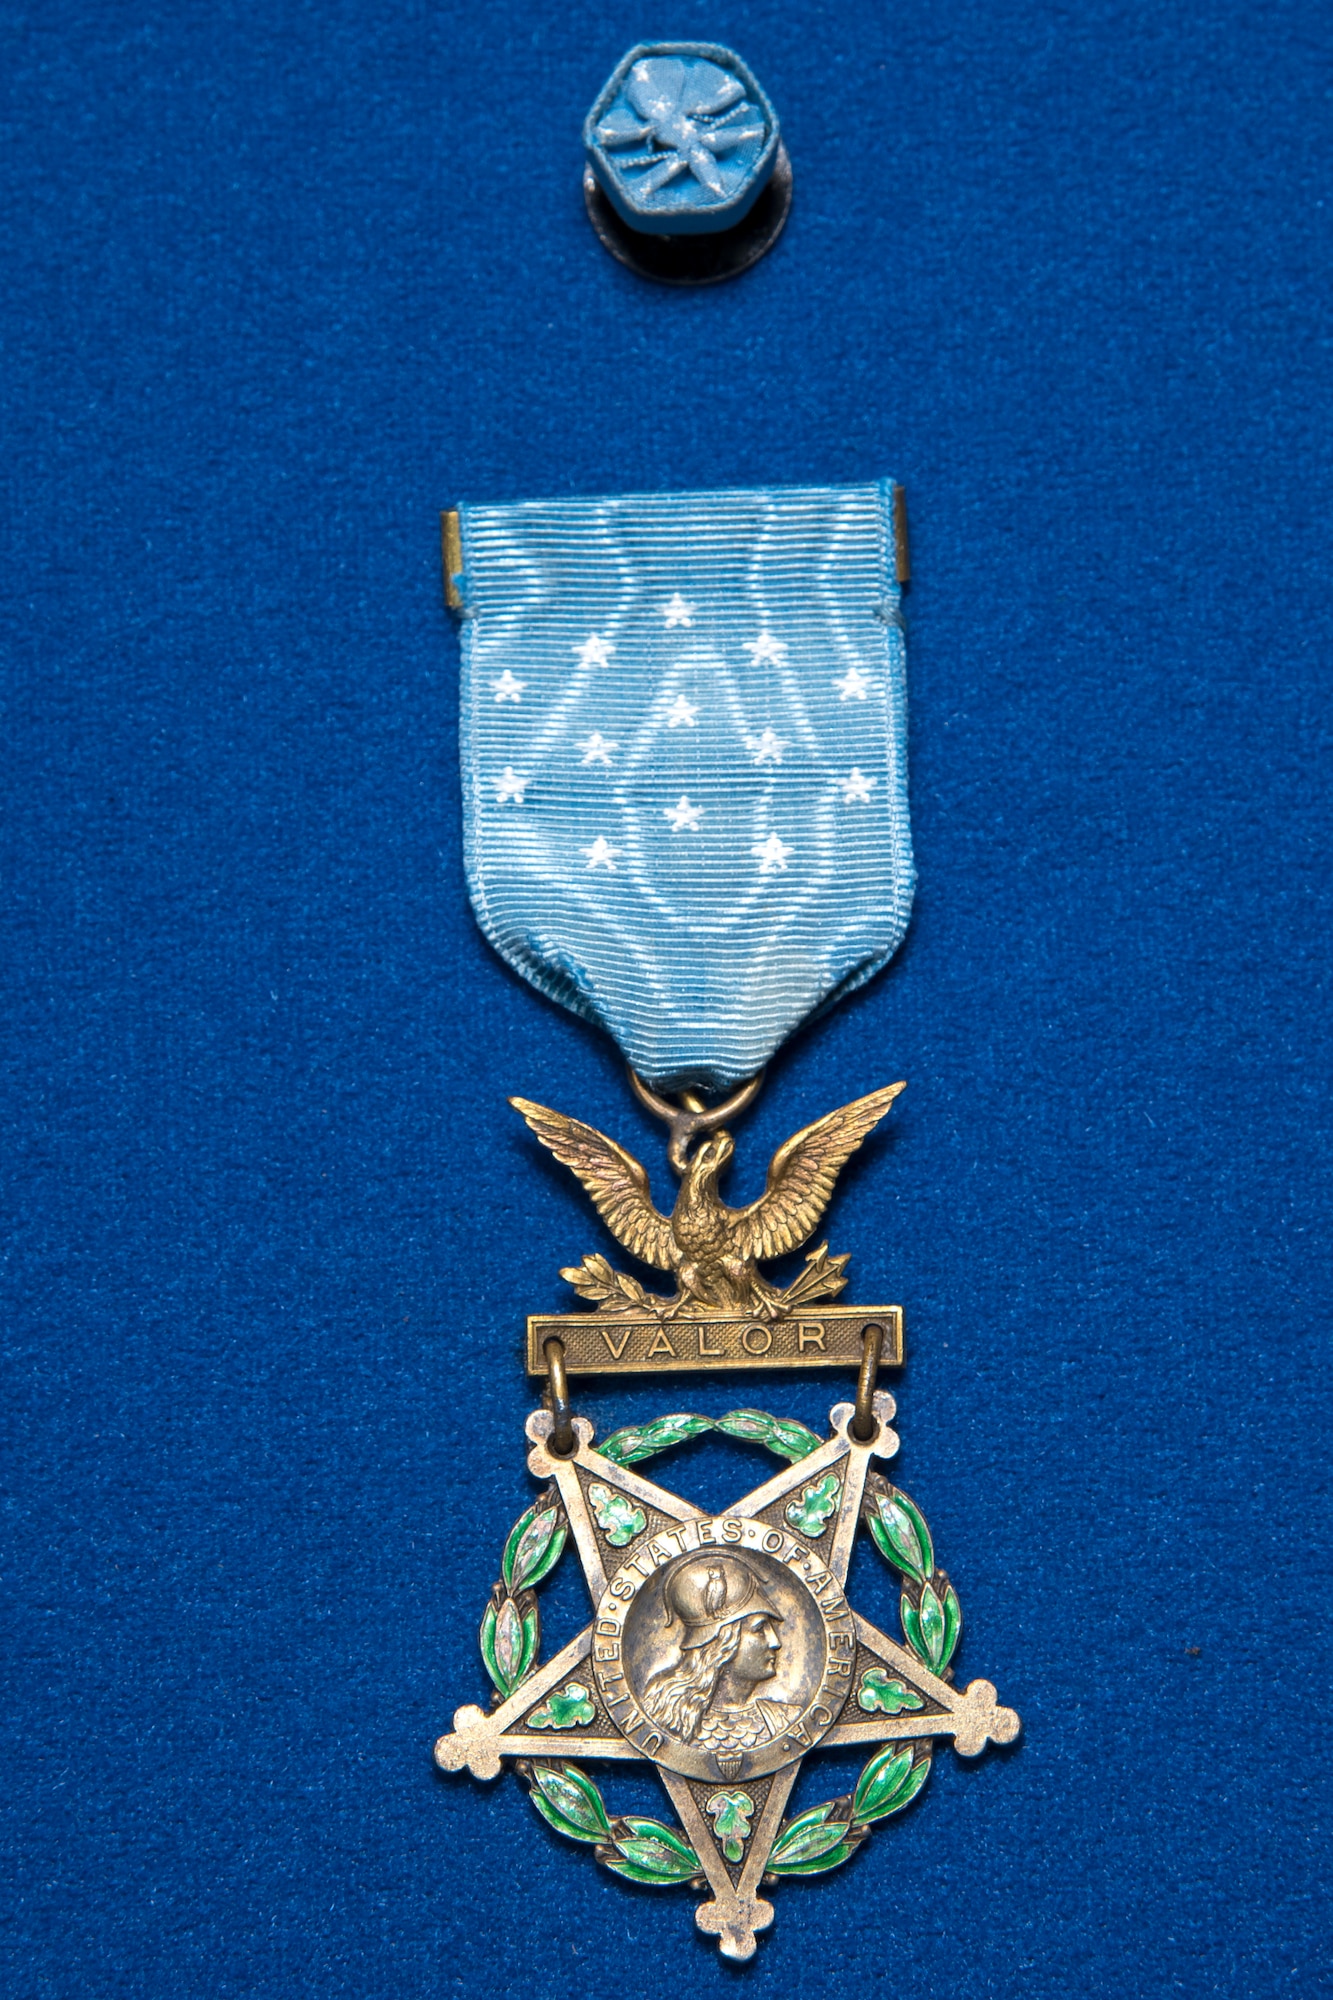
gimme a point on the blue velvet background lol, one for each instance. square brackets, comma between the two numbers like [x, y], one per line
[281, 281]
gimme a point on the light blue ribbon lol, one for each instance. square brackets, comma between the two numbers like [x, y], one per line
[684, 760]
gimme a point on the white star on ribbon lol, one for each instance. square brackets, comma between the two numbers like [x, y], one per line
[766, 649]
[771, 854]
[509, 786]
[682, 712]
[595, 651]
[602, 855]
[507, 688]
[596, 748]
[677, 612]
[765, 749]
[853, 685]
[683, 815]
[855, 788]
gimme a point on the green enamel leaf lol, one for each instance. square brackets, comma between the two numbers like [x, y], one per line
[920, 1531]
[930, 1628]
[537, 1559]
[633, 1870]
[782, 1435]
[889, 1781]
[815, 1841]
[653, 1829]
[528, 1552]
[809, 1514]
[509, 1639]
[902, 1536]
[570, 1802]
[953, 1624]
[812, 1843]
[566, 1710]
[731, 1813]
[792, 1440]
[555, 1548]
[628, 1446]
[616, 1515]
[911, 1625]
[881, 1694]
[651, 1852]
[754, 1426]
[489, 1660]
[821, 1863]
[878, 1785]
[486, 1640]
[807, 1837]
[630, 1871]
[531, 1640]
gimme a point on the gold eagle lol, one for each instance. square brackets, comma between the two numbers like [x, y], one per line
[712, 1250]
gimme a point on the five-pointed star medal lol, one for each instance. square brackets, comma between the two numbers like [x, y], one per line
[679, 1580]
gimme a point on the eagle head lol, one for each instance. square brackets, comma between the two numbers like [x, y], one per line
[711, 1158]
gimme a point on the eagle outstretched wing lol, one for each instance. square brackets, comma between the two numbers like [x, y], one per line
[613, 1177]
[801, 1177]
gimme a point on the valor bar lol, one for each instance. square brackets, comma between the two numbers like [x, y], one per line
[618, 1344]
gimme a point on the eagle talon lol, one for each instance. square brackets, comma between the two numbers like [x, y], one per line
[769, 1306]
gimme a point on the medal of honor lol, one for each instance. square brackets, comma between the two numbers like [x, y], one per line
[685, 796]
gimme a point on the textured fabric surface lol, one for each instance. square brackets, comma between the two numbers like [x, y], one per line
[685, 760]
[281, 281]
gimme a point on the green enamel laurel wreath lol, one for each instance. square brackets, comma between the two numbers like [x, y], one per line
[647, 1850]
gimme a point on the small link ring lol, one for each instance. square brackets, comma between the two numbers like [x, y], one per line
[691, 1117]
[864, 1425]
[562, 1442]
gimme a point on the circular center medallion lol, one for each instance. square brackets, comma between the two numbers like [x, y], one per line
[724, 1648]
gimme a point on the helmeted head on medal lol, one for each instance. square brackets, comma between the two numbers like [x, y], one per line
[722, 1629]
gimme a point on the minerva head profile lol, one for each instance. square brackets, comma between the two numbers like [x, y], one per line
[722, 1626]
